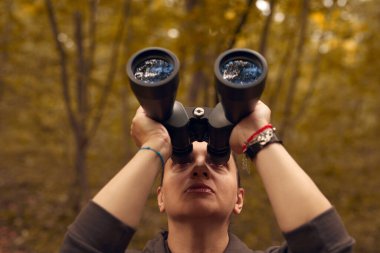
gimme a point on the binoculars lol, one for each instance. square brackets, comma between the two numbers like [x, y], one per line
[240, 80]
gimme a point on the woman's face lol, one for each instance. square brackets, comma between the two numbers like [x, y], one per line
[200, 189]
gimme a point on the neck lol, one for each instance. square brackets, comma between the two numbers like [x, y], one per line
[197, 237]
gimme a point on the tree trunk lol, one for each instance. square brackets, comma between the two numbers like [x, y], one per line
[80, 188]
[124, 91]
[240, 25]
[190, 4]
[82, 75]
[265, 33]
[288, 113]
[281, 73]
[315, 73]
[78, 116]
[63, 66]
[108, 83]
[5, 39]
[199, 79]
[198, 83]
[310, 91]
[235, 34]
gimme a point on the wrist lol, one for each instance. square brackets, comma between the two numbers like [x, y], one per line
[162, 145]
[260, 124]
[259, 140]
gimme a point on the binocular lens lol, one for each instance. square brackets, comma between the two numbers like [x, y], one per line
[240, 71]
[153, 70]
[240, 79]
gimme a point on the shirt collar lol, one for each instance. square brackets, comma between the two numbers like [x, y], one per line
[159, 244]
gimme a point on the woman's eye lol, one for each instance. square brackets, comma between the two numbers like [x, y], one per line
[181, 166]
[216, 166]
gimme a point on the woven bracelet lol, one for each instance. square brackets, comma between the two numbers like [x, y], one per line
[157, 153]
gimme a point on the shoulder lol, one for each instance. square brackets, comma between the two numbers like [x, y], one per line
[236, 245]
[157, 244]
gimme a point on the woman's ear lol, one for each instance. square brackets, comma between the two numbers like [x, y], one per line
[239, 201]
[160, 200]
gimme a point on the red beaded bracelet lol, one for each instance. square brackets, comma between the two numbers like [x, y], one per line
[262, 129]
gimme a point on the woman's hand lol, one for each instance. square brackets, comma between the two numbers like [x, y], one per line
[147, 132]
[247, 126]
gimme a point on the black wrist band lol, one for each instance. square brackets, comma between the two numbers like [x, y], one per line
[261, 141]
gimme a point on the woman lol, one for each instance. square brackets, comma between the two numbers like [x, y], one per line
[199, 197]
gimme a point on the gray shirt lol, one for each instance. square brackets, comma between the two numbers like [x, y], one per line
[95, 230]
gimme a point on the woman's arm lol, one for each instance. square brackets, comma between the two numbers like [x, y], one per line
[304, 214]
[125, 195]
[108, 222]
[294, 197]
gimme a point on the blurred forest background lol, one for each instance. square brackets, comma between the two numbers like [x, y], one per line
[66, 105]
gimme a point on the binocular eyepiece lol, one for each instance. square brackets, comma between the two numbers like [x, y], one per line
[240, 76]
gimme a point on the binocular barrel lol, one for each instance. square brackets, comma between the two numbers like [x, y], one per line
[153, 75]
[240, 76]
[240, 80]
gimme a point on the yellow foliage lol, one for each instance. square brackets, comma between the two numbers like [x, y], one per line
[350, 45]
[230, 15]
[37, 145]
[318, 18]
[334, 42]
[241, 42]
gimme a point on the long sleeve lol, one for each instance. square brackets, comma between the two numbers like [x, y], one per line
[324, 234]
[96, 230]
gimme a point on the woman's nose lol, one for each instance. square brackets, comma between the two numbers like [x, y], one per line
[200, 160]
[200, 172]
[200, 166]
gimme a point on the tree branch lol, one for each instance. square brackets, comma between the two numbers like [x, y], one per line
[63, 64]
[81, 84]
[316, 71]
[283, 68]
[265, 33]
[239, 27]
[111, 72]
[296, 70]
[92, 38]
[311, 88]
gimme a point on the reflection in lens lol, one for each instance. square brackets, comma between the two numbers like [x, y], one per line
[240, 71]
[153, 70]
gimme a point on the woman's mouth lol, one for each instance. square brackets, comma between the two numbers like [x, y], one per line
[199, 188]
